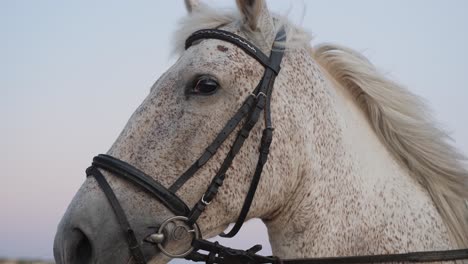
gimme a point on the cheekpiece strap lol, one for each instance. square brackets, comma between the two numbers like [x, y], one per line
[132, 241]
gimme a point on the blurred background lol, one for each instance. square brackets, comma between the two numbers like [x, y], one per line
[72, 73]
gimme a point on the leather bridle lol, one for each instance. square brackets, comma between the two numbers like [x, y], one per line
[185, 219]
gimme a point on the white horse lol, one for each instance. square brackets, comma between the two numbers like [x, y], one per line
[357, 166]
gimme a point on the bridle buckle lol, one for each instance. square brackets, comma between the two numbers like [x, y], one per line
[204, 201]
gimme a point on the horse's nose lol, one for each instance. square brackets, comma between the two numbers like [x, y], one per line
[89, 232]
[80, 247]
[72, 246]
[77, 234]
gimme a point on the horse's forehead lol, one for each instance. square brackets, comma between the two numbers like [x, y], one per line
[225, 61]
[214, 50]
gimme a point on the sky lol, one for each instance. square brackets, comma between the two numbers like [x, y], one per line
[72, 73]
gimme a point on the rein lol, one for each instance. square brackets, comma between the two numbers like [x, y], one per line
[184, 223]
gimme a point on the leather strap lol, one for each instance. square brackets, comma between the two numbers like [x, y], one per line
[217, 181]
[267, 136]
[242, 135]
[264, 150]
[239, 41]
[421, 256]
[129, 234]
[142, 180]
[226, 255]
[215, 145]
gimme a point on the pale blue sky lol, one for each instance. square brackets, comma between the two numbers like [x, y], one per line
[71, 74]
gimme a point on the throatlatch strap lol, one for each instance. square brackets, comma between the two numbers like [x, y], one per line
[132, 241]
[262, 159]
[267, 137]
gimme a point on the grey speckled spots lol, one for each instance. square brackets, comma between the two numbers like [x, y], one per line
[331, 187]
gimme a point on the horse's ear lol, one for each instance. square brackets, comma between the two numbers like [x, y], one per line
[192, 5]
[257, 17]
[255, 13]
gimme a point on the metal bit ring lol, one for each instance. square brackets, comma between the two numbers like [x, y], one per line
[195, 231]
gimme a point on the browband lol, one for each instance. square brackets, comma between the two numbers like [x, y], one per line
[240, 42]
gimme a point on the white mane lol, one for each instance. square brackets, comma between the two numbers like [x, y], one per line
[398, 117]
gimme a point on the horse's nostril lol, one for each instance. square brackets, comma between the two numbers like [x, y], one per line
[83, 250]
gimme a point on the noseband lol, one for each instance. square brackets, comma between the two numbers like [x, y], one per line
[185, 219]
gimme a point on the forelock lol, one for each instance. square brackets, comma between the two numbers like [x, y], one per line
[206, 17]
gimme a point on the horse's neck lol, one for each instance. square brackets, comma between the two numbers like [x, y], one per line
[355, 198]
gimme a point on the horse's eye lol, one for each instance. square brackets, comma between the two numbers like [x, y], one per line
[205, 85]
